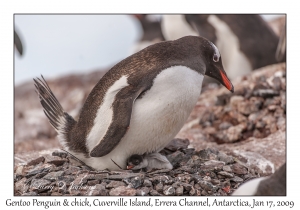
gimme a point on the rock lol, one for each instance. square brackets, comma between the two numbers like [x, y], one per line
[40, 185]
[175, 158]
[144, 191]
[227, 168]
[177, 144]
[19, 170]
[122, 191]
[57, 161]
[265, 93]
[115, 184]
[239, 169]
[225, 158]
[208, 186]
[237, 179]
[92, 182]
[179, 190]
[98, 189]
[20, 186]
[226, 174]
[137, 181]
[60, 153]
[147, 183]
[52, 176]
[236, 100]
[31, 194]
[154, 193]
[159, 187]
[36, 161]
[168, 190]
[225, 125]
[36, 171]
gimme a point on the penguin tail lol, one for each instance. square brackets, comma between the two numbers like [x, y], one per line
[61, 121]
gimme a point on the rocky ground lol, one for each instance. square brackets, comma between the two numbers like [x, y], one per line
[204, 172]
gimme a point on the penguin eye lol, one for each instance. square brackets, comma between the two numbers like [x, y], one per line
[215, 58]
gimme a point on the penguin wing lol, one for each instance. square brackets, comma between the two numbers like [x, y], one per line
[122, 108]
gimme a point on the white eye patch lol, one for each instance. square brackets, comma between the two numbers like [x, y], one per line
[217, 55]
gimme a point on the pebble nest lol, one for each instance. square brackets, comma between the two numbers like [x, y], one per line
[195, 173]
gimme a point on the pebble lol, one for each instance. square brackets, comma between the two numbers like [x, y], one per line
[143, 191]
[122, 191]
[239, 169]
[114, 184]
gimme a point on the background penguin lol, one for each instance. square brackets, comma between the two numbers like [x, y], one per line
[139, 105]
[18, 43]
[151, 31]
[148, 161]
[246, 42]
[273, 185]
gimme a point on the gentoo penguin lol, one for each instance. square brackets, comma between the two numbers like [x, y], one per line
[18, 43]
[273, 185]
[148, 161]
[246, 42]
[139, 105]
[151, 31]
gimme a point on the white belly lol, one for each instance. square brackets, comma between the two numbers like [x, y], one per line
[157, 117]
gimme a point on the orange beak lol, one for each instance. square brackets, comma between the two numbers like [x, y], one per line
[130, 167]
[227, 82]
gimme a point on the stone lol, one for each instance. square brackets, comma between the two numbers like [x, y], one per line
[227, 168]
[98, 189]
[177, 144]
[225, 158]
[52, 176]
[266, 93]
[168, 190]
[147, 183]
[115, 184]
[19, 170]
[226, 174]
[239, 169]
[179, 190]
[236, 100]
[143, 191]
[92, 182]
[40, 185]
[60, 153]
[137, 181]
[208, 186]
[175, 158]
[225, 125]
[186, 186]
[237, 179]
[20, 186]
[122, 191]
[36, 171]
[36, 161]
[159, 187]
[154, 193]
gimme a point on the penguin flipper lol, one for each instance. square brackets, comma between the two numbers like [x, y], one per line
[122, 108]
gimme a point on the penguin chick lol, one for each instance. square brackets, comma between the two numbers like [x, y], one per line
[148, 161]
[139, 105]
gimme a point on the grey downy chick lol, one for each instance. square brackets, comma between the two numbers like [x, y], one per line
[148, 161]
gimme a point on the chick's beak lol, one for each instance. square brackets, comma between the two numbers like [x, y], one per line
[129, 167]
